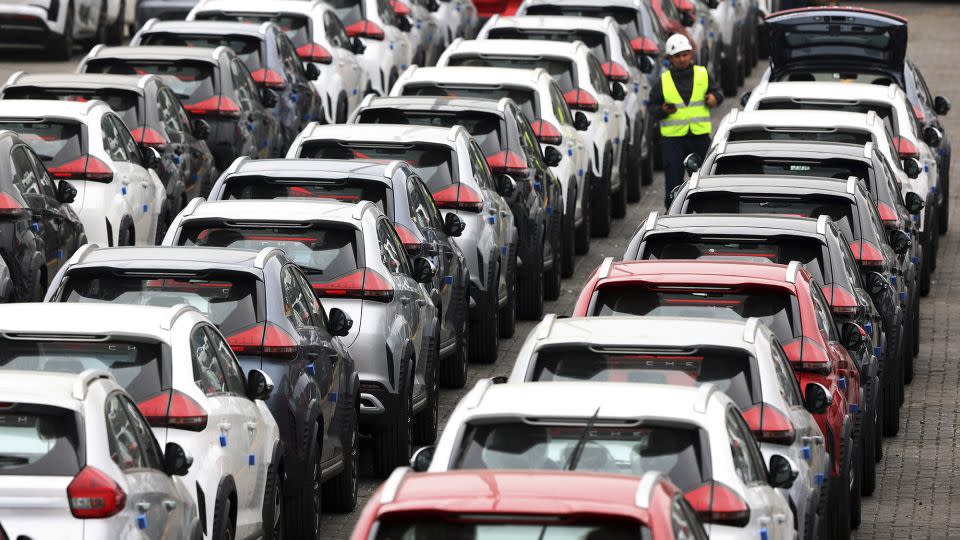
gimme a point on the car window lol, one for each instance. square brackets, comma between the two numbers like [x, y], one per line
[112, 144]
[823, 315]
[169, 112]
[207, 372]
[625, 50]
[289, 59]
[560, 109]
[47, 187]
[757, 464]
[296, 304]
[243, 85]
[391, 252]
[317, 313]
[669, 9]
[789, 388]
[24, 174]
[889, 178]
[924, 91]
[528, 140]
[126, 139]
[597, 78]
[149, 448]
[236, 383]
[847, 261]
[684, 521]
[122, 438]
[423, 212]
[386, 12]
[334, 31]
[740, 450]
[479, 167]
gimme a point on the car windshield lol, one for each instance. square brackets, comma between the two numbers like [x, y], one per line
[190, 81]
[57, 142]
[246, 47]
[349, 11]
[344, 190]
[833, 135]
[229, 300]
[484, 127]
[596, 41]
[840, 210]
[136, 364]
[611, 447]
[38, 440]
[777, 308]
[124, 102]
[435, 163]
[525, 98]
[732, 371]
[563, 70]
[504, 526]
[625, 17]
[296, 27]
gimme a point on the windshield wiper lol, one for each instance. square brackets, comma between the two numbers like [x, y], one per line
[575, 455]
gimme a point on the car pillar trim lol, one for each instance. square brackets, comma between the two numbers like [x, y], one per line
[605, 267]
[81, 254]
[546, 325]
[750, 329]
[852, 184]
[362, 207]
[648, 481]
[794, 267]
[703, 397]
[265, 255]
[392, 485]
[472, 401]
[85, 379]
[872, 117]
[175, 313]
[651, 221]
[868, 148]
[822, 224]
[192, 206]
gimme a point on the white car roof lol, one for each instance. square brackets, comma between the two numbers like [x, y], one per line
[277, 210]
[797, 118]
[258, 6]
[48, 388]
[650, 331]
[614, 3]
[40, 108]
[552, 21]
[386, 133]
[516, 47]
[476, 75]
[830, 91]
[90, 319]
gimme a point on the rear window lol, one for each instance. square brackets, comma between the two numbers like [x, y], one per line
[123, 102]
[38, 440]
[730, 370]
[352, 191]
[349, 11]
[136, 364]
[831, 38]
[840, 210]
[435, 163]
[849, 74]
[824, 168]
[229, 300]
[190, 81]
[56, 142]
[563, 71]
[777, 308]
[296, 27]
[597, 41]
[628, 449]
[884, 111]
[525, 98]
[247, 48]
[497, 526]
[484, 127]
[625, 17]
[833, 135]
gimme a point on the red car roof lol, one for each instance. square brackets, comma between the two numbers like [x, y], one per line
[669, 270]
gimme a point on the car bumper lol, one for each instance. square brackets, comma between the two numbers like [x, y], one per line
[30, 24]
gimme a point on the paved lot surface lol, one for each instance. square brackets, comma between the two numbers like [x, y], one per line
[916, 495]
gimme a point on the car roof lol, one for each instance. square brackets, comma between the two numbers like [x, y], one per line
[762, 148]
[800, 118]
[84, 81]
[258, 6]
[486, 76]
[519, 47]
[437, 103]
[47, 387]
[768, 223]
[778, 184]
[385, 133]
[828, 91]
[47, 108]
[74, 318]
[164, 52]
[168, 257]
[552, 22]
[630, 331]
[208, 27]
[314, 168]
[277, 210]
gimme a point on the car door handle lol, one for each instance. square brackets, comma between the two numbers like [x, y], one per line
[421, 302]
[251, 426]
[224, 426]
[170, 505]
[781, 518]
[143, 507]
[145, 184]
[404, 301]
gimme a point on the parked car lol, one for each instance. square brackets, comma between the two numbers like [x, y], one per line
[387, 48]
[155, 118]
[354, 261]
[607, 505]
[257, 303]
[6, 283]
[119, 195]
[87, 464]
[213, 84]
[165, 10]
[58, 27]
[426, 36]
[319, 38]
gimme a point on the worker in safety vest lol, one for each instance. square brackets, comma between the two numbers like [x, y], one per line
[682, 100]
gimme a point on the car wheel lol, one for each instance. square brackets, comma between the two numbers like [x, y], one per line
[856, 486]
[507, 318]
[729, 70]
[453, 372]
[581, 239]
[646, 164]
[273, 514]
[530, 286]
[61, 47]
[619, 205]
[741, 62]
[340, 492]
[891, 401]
[840, 499]
[425, 423]
[868, 449]
[912, 338]
[304, 521]
[103, 29]
[634, 167]
[223, 526]
[878, 428]
[568, 244]
[163, 223]
[926, 274]
[484, 329]
[600, 192]
[115, 31]
[342, 113]
[944, 214]
[393, 445]
[551, 277]
[916, 330]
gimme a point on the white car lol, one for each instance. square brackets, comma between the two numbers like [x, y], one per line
[186, 382]
[700, 441]
[585, 89]
[319, 37]
[743, 358]
[80, 462]
[119, 195]
[426, 40]
[457, 18]
[387, 48]
[61, 24]
[620, 64]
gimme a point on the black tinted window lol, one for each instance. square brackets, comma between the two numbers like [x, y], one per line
[436, 164]
[524, 97]
[247, 48]
[840, 210]
[190, 81]
[352, 191]
[56, 143]
[625, 17]
[484, 127]
[494, 526]
[38, 440]
[834, 135]
[125, 103]
[563, 71]
[597, 41]
[296, 27]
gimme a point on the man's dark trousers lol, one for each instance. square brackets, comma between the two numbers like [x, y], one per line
[674, 150]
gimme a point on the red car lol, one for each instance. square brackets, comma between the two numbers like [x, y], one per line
[525, 505]
[786, 298]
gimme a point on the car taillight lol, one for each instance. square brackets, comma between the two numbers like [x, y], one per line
[615, 72]
[10, 207]
[888, 215]
[263, 339]
[769, 424]
[842, 301]
[867, 254]
[546, 132]
[215, 106]
[579, 99]
[365, 29]
[642, 45]
[717, 503]
[83, 168]
[311, 52]
[92, 495]
[410, 240]
[506, 162]
[149, 136]
[174, 409]
[399, 8]
[363, 283]
[268, 78]
[905, 148]
[919, 114]
[807, 355]
[457, 196]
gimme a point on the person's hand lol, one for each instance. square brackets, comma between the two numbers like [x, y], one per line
[711, 101]
[669, 108]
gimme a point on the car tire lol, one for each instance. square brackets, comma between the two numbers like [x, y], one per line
[646, 164]
[223, 526]
[126, 235]
[115, 30]
[426, 421]
[729, 71]
[868, 449]
[552, 277]
[61, 47]
[944, 214]
[163, 223]
[878, 428]
[600, 204]
[568, 245]
[453, 371]
[915, 330]
[342, 112]
[103, 29]
[530, 288]
[891, 401]
[634, 167]
[581, 238]
[507, 316]
[926, 273]
[618, 206]
[273, 507]
[304, 511]
[486, 327]
[856, 495]
[339, 494]
[840, 499]
[393, 445]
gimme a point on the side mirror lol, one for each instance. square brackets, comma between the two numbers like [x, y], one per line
[941, 105]
[912, 167]
[552, 156]
[899, 241]
[453, 225]
[745, 98]
[357, 46]
[506, 185]
[781, 472]
[176, 462]
[66, 193]
[712, 4]
[673, 195]
[646, 64]
[580, 121]
[421, 459]
[692, 163]
[151, 158]
[876, 284]
[433, 5]
[201, 129]
[617, 91]
[686, 18]
[339, 322]
[852, 336]
[913, 202]
[404, 25]
[313, 72]
[932, 136]
[269, 98]
[259, 385]
[423, 270]
[816, 398]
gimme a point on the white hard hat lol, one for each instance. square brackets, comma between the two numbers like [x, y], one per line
[678, 43]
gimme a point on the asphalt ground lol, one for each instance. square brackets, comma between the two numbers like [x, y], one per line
[917, 495]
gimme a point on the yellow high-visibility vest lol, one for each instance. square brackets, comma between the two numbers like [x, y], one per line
[693, 117]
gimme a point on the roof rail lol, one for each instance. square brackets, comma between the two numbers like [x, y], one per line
[264, 255]
[455, 131]
[703, 397]
[822, 224]
[219, 50]
[750, 329]
[793, 269]
[546, 325]
[852, 184]
[362, 207]
[762, 87]
[651, 221]
[236, 165]
[91, 105]
[391, 168]
[872, 117]
[86, 378]
[694, 180]
[722, 144]
[175, 313]
[96, 50]
[191, 206]
[81, 254]
[392, 485]
[476, 395]
[263, 27]
[648, 481]
[13, 78]
[367, 100]
[868, 148]
[149, 24]
[502, 104]
[732, 116]
[604, 269]
[142, 83]
[892, 91]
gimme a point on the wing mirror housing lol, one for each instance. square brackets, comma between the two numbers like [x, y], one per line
[357, 46]
[66, 193]
[853, 337]
[913, 202]
[912, 167]
[941, 105]
[405, 25]
[151, 157]
[313, 72]
[686, 18]
[618, 91]
[781, 472]
[176, 462]
[899, 241]
[646, 64]
[580, 121]
[692, 163]
[453, 225]
[876, 284]
[552, 156]
[259, 385]
[816, 398]
[421, 459]
[201, 129]
[269, 98]
[932, 136]
[340, 323]
[423, 270]
[506, 185]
